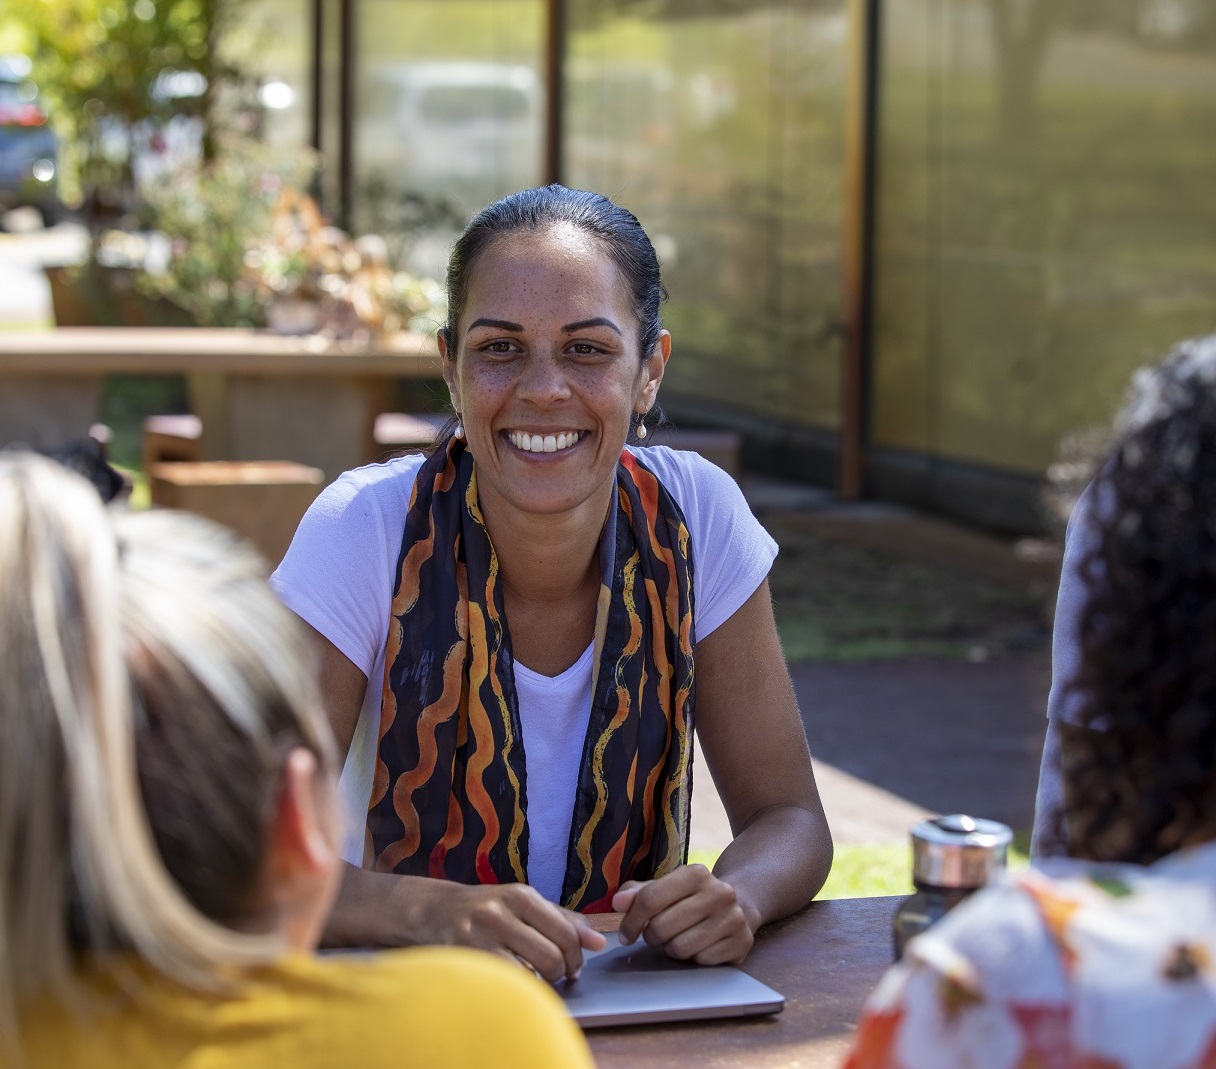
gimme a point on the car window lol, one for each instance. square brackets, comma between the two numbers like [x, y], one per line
[16, 93]
[472, 103]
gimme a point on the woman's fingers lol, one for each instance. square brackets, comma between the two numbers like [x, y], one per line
[642, 902]
[691, 914]
[626, 893]
[514, 919]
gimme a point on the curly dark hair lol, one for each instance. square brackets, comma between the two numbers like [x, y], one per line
[1142, 783]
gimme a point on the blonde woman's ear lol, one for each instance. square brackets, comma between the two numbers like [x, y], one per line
[303, 865]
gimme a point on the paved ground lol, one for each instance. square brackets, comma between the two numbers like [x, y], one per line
[895, 740]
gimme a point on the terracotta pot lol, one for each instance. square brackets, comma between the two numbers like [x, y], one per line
[69, 298]
[95, 296]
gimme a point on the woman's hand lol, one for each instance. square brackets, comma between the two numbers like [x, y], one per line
[513, 920]
[690, 913]
[377, 909]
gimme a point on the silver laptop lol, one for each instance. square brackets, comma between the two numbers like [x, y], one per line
[641, 985]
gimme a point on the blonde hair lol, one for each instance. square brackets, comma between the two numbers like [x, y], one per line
[150, 684]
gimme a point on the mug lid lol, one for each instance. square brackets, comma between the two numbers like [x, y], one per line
[958, 829]
[958, 850]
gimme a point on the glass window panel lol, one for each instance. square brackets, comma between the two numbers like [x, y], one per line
[1046, 221]
[276, 46]
[723, 130]
[449, 115]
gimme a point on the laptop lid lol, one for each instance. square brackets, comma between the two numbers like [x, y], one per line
[640, 984]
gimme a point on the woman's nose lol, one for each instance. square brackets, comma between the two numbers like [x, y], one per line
[543, 380]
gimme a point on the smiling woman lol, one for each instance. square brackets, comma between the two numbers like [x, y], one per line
[519, 633]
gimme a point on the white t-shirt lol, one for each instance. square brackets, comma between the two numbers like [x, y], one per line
[338, 575]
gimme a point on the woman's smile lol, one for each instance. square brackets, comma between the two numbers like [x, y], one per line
[544, 441]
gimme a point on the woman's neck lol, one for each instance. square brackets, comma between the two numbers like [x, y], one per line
[549, 569]
[546, 558]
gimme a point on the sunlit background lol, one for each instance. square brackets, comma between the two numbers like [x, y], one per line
[1040, 192]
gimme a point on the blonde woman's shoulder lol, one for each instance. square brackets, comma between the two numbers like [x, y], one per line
[433, 1006]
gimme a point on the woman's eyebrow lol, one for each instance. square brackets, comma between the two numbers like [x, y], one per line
[583, 324]
[500, 324]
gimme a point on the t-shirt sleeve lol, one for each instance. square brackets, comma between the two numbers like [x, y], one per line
[732, 552]
[337, 573]
[1063, 701]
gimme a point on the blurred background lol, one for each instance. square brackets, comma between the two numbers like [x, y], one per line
[912, 246]
[1038, 185]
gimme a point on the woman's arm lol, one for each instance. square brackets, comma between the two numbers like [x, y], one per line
[751, 733]
[376, 909]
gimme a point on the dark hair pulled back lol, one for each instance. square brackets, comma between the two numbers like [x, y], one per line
[539, 209]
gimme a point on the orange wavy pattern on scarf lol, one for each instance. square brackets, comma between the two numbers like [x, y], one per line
[611, 868]
[675, 817]
[473, 721]
[403, 601]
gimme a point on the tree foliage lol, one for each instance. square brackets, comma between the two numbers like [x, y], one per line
[106, 67]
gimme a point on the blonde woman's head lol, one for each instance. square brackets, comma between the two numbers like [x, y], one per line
[165, 772]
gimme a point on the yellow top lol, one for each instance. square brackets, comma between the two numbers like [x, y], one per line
[427, 1007]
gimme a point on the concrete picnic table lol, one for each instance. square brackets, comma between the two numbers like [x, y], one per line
[260, 395]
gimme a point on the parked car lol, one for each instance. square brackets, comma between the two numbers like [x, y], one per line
[468, 130]
[29, 149]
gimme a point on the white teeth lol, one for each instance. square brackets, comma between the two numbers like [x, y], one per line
[547, 443]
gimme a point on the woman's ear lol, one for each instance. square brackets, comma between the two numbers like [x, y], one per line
[447, 357]
[652, 370]
[303, 864]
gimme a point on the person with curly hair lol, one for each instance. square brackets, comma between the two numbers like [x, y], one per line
[1108, 958]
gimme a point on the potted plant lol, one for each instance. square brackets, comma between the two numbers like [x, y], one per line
[236, 242]
[120, 76]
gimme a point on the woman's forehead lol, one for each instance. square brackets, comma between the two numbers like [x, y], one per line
[549, 267]
[557, 242]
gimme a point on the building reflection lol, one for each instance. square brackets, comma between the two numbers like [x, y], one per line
[1044, 221]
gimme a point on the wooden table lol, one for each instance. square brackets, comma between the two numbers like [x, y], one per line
[825, 961]
[261, 396]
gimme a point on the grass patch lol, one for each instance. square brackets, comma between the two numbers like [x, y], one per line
[868, 870]
[127, 399]
[863, 870]
[141, 494]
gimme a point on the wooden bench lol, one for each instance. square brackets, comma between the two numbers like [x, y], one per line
[262, 500]
[408, 432]
[719, 447]
[171, 438]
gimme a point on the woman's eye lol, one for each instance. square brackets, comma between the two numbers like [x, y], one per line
[499, 347]
[582, 348]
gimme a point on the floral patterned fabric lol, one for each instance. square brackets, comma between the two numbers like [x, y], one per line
[1090, 967]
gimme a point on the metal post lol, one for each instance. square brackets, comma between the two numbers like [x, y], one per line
[318, 75]
[555, 46]
[861, 144]
[346, 109]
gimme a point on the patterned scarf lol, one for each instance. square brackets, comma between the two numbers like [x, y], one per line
[450, 793]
